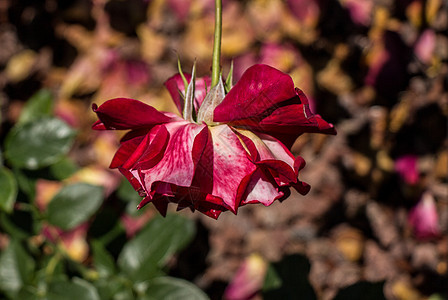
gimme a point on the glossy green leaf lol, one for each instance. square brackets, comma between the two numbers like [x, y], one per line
[8, 190]
[63, 169]
[123, 294]
[116, 288]
[76, 289]
[28, 293]
[39, 143]
[170, 288]
[39, 105]
[26, 183]
[150, 249]
[102, 260]
[16, 268]
[74, 204]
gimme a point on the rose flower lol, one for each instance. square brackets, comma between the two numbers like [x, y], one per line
[228, 150]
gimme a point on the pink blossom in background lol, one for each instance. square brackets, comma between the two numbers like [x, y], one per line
[242, 63]
[281, 56]
[234, 153]
[181, 8]
[99, 176]
[406, 167]
[175, 83]
[133, 224]
[45, 191]
[248, 280]
[360, 11]
[424, 219]
[425, 46]
[73, 241]
[380, 58]
[305, 10]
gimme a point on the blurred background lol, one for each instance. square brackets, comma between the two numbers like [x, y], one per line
[374, 225]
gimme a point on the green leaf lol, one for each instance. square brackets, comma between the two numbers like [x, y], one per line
[116, 288]
[28, 293]
[289, 279]
[39, 105]
[12, 229]
[127, 193]
[103, 261]
[63, 169]
[271, 280]
[16, 268]
[77, 289]
[149, 250]
[27, 183]
[8, 190]
[169, 288]
[74, 204]
[39, 143]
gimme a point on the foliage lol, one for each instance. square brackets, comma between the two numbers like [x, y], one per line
[377, 211]
[49, 214]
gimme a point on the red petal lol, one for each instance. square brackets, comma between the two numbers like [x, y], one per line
[98, 125]
[288, 122]
[301, 187]
[209, 208]
[194, 198]
[289, 119]
[230, 165]
[261, 189]
[221, 168]
[151, 154]
[272, 154]
[260, 88]
[161, 203]
[295, 119]
[141, 149]
[160, 197]
[324, 126]
[122, 113]
[135, 182]
[177, 165]
[200, 90]
[125, 151]
[133, 134]
[175, 86]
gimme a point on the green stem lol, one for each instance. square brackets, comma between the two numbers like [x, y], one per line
[216, 60]
[112, 234]
[51, 265]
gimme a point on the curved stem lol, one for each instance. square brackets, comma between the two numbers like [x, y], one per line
[51, 265]
[216, 63]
